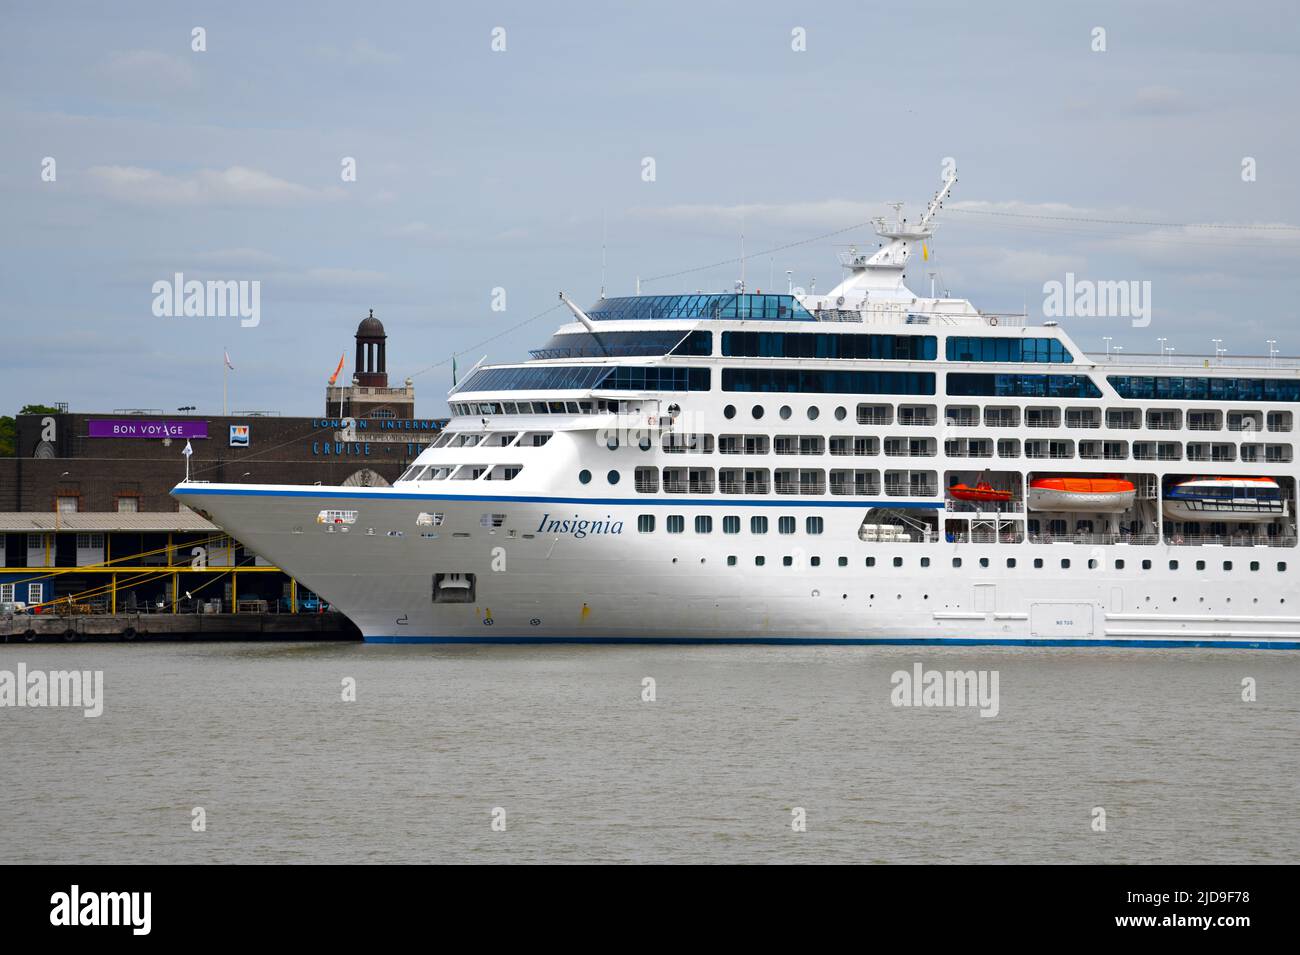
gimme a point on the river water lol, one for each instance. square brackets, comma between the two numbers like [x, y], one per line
[559, 744]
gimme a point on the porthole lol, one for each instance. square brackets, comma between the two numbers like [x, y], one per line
[785, 412]
[584, 476]
[756, 411]
[813, 412]
[612, 442]
[729, 412]
[644, 444]
[840, 413]
[612, 477]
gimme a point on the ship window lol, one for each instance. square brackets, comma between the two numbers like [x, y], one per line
[1019, 386]
[898, 562]
[1173, 565]
[826, 381]
[1011, 562]
[815, 525]
[815, 561]
[984, 561]
[703, 524]
[1119, 563]
[1254, 565]
[675, 524]
[1065, 563]
[584, 476]
[1281, 565]
[731, 524]
[1038, 563]
[612, 477]
[1203, 389]
[844, 561]
[1227, 565]
[828, 345]
[1200, 565]
[729, 412]
[612, 442]
[731, 560]
[756, 411]
[759, 561]
[758, 525]
[956, 561]
[925, 561]
[1037, 350]
[785, 525]
[787, 561]
[1092, 563]
[871, 562]
[813, 412]
[785, 412]
[645, 523]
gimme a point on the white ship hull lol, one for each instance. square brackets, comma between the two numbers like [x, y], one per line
[748, 467]
[616, 585]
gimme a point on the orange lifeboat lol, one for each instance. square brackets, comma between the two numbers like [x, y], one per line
[983, 492]
[1094, 495]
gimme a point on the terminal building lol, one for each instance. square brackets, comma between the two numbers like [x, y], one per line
[88, 526]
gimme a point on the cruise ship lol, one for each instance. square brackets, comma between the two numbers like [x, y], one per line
[865, 466]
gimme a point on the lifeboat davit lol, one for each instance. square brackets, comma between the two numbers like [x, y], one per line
[983, 492]
[1244, 499]
[1083, 494]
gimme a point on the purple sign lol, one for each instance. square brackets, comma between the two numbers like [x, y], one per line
[132, 428]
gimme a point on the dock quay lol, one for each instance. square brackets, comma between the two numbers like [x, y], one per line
[107, 628]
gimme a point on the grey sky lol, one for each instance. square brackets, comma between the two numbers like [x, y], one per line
[479, 169]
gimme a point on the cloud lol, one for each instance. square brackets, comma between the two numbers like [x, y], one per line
[362, 52]
[141, 71]
[816, 214]
[1160, 101]
[234, 185]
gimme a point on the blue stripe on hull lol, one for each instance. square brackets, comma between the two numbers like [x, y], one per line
[857, 641]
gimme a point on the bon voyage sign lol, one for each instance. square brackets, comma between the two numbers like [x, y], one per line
[134, 428]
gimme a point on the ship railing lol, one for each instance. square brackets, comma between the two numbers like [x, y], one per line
[801, 487]
[910, 452]
[1229, 540]
[969, 453]
[850, 489]
[743, 487]
[985, 507]
[879, 420]
[912, 490]
[851, 452]
[1200, 362]
[1093, 539]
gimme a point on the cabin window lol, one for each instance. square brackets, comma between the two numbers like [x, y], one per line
[645, 523]
[785, 525]
[584, 476]
[758, 525]
[815, 525]
[703, 524]
[731, 524]
[675, 524]
[759, 561]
